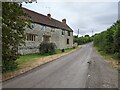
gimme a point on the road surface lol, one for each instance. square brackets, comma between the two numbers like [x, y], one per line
[83, 68]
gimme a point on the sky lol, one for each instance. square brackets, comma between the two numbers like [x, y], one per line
[87, 16]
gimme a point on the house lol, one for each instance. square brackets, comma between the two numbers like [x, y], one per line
[45, 28]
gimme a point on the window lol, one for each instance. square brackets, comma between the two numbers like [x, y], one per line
[68, 33]
[63, 32]
[31, 37]
[42, 27]
[32, 25]
[67, 41]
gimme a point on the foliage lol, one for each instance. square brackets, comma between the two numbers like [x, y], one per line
[109, 41]
[117, 37]
[12, 33]
[46, 47]
[82, 40]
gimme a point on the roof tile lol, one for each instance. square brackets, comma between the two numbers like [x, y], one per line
[44, 20]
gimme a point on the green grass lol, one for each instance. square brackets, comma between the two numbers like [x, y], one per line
[27, 60]
[29, 57]
[109, 57]
[66, 50]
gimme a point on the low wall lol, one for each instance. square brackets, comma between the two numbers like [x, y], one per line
[28, 50]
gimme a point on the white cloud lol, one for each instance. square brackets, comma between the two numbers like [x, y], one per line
[85, 16]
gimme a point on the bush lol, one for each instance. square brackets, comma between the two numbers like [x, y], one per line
[47, 48]
[9, 66]
[117, 55]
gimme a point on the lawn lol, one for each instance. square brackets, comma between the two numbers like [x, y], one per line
[30, 57]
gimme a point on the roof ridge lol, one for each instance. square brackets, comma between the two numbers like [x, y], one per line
[43, 19]
[34, 11]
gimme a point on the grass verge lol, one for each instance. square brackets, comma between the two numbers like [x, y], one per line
[30, 61]
[109, 58]
[30, 57]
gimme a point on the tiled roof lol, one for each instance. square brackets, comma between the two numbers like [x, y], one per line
[44, 20]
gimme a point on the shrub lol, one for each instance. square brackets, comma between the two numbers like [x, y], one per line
[117, 55]
[63, 50]
[46, 47]
[9, 65]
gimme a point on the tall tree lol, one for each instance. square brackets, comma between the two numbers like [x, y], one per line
[13, 26]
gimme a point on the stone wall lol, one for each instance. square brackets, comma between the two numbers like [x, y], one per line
[39, 30]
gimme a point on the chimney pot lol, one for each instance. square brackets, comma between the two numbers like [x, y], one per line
[64, 21]
[49, 16]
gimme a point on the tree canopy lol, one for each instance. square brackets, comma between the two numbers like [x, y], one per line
[109, 40]
[82, 39]
[13, 26]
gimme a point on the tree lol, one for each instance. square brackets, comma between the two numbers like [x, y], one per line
[117, 40]
[82, 39]
[13, 26]
[109, 41]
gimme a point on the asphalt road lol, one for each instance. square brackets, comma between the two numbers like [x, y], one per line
[70, 71]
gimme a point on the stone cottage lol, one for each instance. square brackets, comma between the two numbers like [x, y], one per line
[45, 28]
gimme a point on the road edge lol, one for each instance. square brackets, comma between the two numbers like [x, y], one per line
[11, 77]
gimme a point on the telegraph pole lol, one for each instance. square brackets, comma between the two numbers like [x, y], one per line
[78, 32]
[92, 32]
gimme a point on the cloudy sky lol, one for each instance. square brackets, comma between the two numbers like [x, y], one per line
[86, 16]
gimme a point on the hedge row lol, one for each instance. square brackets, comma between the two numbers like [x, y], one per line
[109, 41]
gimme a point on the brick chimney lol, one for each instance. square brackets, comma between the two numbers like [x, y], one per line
[49, 16]
[64, 21]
